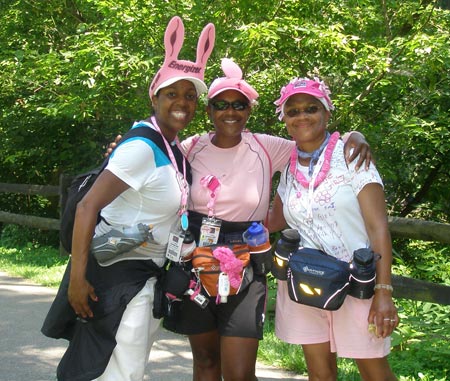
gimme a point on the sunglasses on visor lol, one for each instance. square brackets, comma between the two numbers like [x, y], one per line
[224, 105]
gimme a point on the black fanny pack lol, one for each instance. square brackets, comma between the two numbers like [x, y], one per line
[317, 279]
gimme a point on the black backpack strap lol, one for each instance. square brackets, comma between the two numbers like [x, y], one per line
[82, 183]
[139, 131]
[143, 129]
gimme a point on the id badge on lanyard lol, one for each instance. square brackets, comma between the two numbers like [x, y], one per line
[175, 244]
[209, 231]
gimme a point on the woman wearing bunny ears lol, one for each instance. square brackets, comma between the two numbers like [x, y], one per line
[106, 310]
[318, 182]
[224, 337]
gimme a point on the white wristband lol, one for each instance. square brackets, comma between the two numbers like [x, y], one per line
[380, 286]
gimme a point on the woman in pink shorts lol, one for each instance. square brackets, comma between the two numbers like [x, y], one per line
[341, 211]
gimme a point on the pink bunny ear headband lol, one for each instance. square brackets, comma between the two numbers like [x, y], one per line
[232, 81]
[314, 87]
[174, 69]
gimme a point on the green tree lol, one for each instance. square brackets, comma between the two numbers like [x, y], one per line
[74, 73]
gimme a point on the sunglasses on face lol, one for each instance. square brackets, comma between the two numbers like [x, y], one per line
[224, 105]
[293, 112]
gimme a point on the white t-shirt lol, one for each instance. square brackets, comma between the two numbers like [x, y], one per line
[243, 172]
[336, 226]
[154, 195]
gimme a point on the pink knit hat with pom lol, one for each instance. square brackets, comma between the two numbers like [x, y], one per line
[173, 69]
[314, 87]
[232, 81]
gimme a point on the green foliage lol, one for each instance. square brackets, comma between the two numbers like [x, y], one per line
[40, 264]
[422, 260]
[74, 74]
[279, 354]
[420, 343]
[18, 236]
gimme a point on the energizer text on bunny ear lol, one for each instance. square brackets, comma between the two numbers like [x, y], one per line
[174, 69]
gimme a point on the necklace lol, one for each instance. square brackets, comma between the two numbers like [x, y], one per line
[324, 168]
[314, 156]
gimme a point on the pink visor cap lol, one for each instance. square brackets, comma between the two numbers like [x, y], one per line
[232, 81]
[314, 87]
[173, 69]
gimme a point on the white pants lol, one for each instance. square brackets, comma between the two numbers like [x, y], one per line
[135, 337]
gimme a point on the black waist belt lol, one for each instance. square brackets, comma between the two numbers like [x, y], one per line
[230, 232]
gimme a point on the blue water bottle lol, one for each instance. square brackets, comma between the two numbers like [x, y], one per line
[257, 238]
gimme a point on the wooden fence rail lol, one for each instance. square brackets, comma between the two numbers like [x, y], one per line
[404, 287]
[43, 190]
[30, 221]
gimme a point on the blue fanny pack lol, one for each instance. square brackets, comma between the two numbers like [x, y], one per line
[317, 279]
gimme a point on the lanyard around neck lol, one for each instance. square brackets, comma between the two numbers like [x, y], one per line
[319, 174]
[320, 170]
[181, 177]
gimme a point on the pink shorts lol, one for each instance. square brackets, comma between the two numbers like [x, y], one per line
[346, 329]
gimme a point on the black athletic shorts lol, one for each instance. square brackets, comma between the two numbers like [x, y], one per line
[242, 315]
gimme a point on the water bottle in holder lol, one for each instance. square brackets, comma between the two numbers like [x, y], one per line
[188, 246]
[257, 238]
[363, 273]
[110, 245]
[288, 243]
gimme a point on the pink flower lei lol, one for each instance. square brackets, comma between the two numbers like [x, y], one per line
[300, 178]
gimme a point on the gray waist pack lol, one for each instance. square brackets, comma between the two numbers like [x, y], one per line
[130, 243]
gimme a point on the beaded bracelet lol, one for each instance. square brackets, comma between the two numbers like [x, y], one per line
[388, 287]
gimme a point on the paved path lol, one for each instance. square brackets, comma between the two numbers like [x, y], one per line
[27, 355]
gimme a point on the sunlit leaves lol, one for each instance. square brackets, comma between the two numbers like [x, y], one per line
[82, 69]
